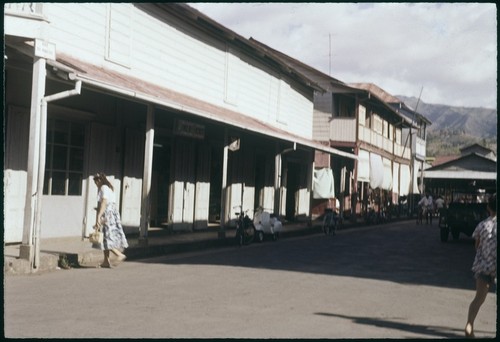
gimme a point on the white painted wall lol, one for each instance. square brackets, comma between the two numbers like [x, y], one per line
[191, 63]
[62, 216]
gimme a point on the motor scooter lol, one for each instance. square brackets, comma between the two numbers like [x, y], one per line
[266, 224]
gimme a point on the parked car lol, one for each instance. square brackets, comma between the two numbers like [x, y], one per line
[462, 215]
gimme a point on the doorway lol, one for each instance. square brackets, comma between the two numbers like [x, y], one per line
[160, 182]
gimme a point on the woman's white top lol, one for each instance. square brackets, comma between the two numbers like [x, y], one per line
[106, 193]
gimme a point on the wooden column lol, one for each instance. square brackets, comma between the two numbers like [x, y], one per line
[147, 174]
[222, 230]
[37, 93]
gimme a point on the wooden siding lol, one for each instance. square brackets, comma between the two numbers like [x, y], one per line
[321, 131]
[176, 56]
[343, 129]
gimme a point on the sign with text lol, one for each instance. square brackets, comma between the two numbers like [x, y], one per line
[45, 49]
[189, 129]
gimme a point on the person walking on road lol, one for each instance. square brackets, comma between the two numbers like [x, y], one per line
[485, 262]
[108, 220]
[439, 202]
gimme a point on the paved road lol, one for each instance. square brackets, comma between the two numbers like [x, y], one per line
[392, 281]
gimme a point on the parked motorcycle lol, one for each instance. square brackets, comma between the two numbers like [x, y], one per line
[245, 229]
[266, 224]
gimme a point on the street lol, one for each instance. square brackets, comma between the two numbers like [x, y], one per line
[388, 281]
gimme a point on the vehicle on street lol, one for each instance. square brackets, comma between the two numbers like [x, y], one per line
[462, 215]
[266, 224]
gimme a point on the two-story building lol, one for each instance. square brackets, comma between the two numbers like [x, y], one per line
[362, 119]
[413, 138]
[189, 120]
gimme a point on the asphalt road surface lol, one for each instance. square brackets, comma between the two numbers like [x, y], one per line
[388, 281]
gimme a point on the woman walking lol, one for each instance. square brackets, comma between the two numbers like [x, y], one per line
[485, 262]
[108, 221]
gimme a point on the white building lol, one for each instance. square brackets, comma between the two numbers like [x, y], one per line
[187, 118]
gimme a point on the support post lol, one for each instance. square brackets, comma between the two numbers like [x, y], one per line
[222, 230]
[277, 181]
[37, 92]
[147, 175]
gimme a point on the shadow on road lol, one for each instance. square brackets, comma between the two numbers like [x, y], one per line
[434, 331]
[398, 252]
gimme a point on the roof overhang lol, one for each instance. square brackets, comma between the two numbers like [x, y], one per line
[143, 91]
[464, 174]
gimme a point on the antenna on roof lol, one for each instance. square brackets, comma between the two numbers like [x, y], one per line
[330, 55]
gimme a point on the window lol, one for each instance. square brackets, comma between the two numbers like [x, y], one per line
[119, 33]
[421, 131]
[362, 115]
[398, 136]
[377, 124]
[343, 107]
[64, 158]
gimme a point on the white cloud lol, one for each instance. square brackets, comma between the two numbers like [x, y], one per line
[450, 49]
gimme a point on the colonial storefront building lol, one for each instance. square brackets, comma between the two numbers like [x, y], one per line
[381, 131]
[189, 120]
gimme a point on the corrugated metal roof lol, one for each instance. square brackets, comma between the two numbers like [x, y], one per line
[317, 76]
[393, 101]
[147, 92]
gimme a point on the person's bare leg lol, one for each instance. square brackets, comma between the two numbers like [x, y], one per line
[106, 259]
[482, 288]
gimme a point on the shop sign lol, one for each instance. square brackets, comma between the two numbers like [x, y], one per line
[45, 49]
[189, 129]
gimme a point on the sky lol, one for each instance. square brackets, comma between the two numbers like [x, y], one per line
[444, 53]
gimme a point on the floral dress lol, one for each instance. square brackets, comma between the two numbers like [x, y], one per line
[114, 237]
[485, 262]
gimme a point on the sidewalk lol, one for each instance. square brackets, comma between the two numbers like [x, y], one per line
[56, 253]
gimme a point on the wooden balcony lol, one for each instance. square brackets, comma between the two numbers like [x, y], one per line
[343, 130]
[378, 140]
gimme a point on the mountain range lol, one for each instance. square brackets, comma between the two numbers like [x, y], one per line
[455, 127]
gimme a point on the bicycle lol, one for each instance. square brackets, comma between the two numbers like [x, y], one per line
[421, 213]
[245, 229]
[331, 222]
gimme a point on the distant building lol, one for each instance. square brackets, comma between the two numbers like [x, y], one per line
[474, 170]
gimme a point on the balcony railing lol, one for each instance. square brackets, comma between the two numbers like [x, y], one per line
[343, 129]
[378, 140]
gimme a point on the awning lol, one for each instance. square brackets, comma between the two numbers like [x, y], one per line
[462, 174]
[376, 171]
[416, 173]
[363, 166]
[387, 182]
[323, 185]
[150, 93]
[405, 180]
[395, 177]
